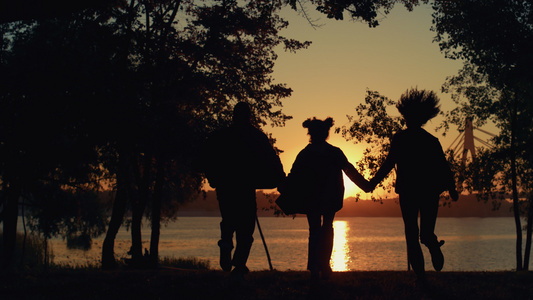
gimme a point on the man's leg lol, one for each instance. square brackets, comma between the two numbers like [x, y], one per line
[227, 227]
[244, 234]
[245, 227]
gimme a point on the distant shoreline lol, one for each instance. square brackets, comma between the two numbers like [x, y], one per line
[468, 206]
[214, 215]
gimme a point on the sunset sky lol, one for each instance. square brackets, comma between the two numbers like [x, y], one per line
[346, 58]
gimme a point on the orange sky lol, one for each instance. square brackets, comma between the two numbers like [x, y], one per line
[346, 58]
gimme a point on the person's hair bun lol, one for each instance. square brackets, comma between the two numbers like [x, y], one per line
[307, 123]
[329, 122]
[316, 123]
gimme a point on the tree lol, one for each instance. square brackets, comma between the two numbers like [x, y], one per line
[494, 39]
[164, 87]
[44, 139]
[11, 11]
[218, 55]
[159, 77]
[192, 76]
[366, 11]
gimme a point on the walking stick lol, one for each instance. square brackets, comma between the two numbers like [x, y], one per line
[264, 243]
[408, 261]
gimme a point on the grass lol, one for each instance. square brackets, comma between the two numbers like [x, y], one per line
[29, 252]
[190, 263]
[29, 257]
[174, 283]
[185, 263]
[192, 278]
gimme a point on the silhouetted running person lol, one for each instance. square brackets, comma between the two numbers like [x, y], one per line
[422, 174]
[320, 165]
[236, 156]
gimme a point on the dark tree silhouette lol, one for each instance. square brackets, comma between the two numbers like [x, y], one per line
[366, 11]
[127, 92]
[17, 10]
[141, 91]
[494, 39]
[193, 75]
[45, 120]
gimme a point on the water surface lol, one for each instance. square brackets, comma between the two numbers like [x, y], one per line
[472, 244]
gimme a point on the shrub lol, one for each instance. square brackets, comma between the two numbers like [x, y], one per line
[30, 252]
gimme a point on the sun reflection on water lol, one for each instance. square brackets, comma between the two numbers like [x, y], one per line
[340, 256]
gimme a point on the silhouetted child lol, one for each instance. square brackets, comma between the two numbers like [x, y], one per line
[235, 158]
[320, 165]
[422, 174]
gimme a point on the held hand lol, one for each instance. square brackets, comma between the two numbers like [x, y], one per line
[454, 195]
[282, 186]
[371, 185]
[367, 187]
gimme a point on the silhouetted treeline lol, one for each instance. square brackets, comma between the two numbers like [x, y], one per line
[121, 98]
[468, 206]
[495, 85]
[122, 95]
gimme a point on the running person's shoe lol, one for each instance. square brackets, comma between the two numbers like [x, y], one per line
[437, 258]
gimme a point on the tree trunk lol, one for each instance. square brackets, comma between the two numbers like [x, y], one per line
[516, 210]
[529, 230]
[156, 213]
[136, 236]
[46, 256]
[123, 196]
[516, 204]
[117, 216]
[10, 226]
[138, 207]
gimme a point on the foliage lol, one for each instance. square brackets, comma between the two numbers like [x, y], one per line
[127, 94]
[30, 254]
[478, 100]
[473, 96]
[48, 151]
[360, 10]
[494, 84]
[190, 263]
[494, 40]
[77, 215]
[495, 36]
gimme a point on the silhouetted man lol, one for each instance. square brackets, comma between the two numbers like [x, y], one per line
[422, 174]
[238, 159]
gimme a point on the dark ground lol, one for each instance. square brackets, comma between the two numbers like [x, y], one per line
[190, 284]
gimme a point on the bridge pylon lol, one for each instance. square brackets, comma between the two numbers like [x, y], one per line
[468, 144]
